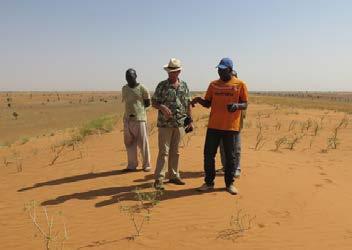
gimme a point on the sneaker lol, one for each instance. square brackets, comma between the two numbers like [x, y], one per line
[177, 181]
[232, 189]
[158, 185]
[205, 187]
[238, 173]
[147, 169]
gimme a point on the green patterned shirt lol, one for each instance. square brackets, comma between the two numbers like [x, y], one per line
[177, 100]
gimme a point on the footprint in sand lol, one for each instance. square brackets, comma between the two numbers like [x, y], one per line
[321, 168]
[261, 225]
[348, 234]
[279, 214]
[328, 181]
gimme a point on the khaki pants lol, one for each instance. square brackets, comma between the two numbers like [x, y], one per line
[135, 133]
[169, 141]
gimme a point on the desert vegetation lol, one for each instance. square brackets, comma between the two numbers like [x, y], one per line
[78, 168]
[53, 236]
[239, 223]
[140, 212]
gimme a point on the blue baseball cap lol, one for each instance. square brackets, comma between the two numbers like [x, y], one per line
[225, 63]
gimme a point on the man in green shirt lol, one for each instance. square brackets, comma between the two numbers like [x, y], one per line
[172, 99]
[137, 99]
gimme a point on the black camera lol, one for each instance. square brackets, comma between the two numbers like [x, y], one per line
[188, 121]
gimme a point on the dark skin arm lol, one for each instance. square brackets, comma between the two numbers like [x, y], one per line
[146, 103]
[201, 101]
[233, 107]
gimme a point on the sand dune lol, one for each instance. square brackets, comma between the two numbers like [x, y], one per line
[295, 199]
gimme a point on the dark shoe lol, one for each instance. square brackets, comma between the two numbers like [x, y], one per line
[177, 181]
[158, 185]
[205, 187]
[127, 170]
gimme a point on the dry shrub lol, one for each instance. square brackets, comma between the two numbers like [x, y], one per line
[140, 212]
[53, 238]
[240, 222]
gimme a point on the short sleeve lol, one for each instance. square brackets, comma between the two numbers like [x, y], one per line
[157, 94]
[188, 96]
[244, 93]
[123, 93]
[145, 92]
[209, 93]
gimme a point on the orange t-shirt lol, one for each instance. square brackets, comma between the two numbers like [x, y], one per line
[220, 94]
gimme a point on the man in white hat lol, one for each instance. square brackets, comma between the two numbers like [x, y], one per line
[172, 99]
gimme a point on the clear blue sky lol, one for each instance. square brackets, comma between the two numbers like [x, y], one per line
[88, 45]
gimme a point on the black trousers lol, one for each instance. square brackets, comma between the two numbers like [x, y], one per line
[232, 148]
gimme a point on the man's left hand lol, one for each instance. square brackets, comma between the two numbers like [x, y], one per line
[189, 128]
[232, 107]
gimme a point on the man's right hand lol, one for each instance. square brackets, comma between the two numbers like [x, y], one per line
[166, 111]
[196, 100]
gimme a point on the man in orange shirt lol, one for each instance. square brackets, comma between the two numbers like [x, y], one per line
[226, 97]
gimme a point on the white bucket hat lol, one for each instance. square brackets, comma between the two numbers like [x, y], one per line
[174, 65]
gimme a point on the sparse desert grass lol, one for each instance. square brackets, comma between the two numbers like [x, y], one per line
[292, 125]
[143, 221]
[52, 238]
[278, 142]
[5, 144]
[292, 142]
[140, 212]
[239, 223]
[277, 126]
[100, 125]
[333, 141]
[5, 161]
[260, 140]
[56, 150]
[35, 115]
[24, 140]
[18, 160]
[304, 103]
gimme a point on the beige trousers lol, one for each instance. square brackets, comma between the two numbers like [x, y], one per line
[169, 142]
[135, 133]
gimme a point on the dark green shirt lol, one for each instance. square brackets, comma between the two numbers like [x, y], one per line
[177, 100]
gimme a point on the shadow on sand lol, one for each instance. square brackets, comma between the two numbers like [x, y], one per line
[76, 178]
[125, 193]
